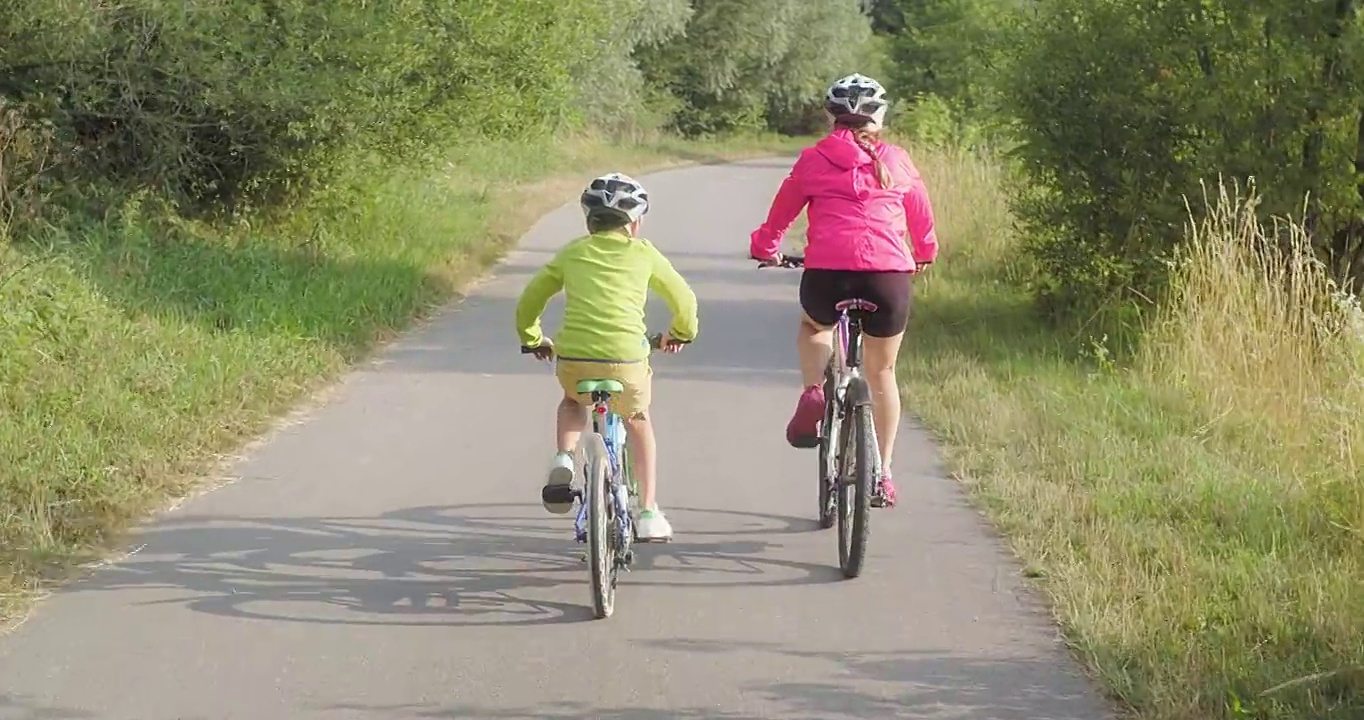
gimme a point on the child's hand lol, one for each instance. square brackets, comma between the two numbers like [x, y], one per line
[545, 351]
[667, 344]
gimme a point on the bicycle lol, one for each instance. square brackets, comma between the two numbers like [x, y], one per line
[608, 510]
[849, 455]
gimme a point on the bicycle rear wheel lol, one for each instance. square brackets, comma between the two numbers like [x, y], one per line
[601, 547]
[856, 480]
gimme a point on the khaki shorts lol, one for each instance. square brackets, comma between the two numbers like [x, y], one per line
[637, 378]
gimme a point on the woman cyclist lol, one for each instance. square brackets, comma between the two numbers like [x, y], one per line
[864, 197]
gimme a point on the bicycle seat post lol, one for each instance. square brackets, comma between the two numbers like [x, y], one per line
[600, 401]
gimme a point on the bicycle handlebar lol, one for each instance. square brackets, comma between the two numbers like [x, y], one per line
[655, 342]
[798, 261]
[786, 261]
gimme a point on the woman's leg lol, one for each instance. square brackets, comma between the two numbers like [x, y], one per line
[814, 344]
[878, 365]
[883, 332]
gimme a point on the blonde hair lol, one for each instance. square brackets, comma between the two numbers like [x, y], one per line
[607, 222]
[867, 139]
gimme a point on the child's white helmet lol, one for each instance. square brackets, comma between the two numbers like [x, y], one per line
[857, 96]
[615, 194]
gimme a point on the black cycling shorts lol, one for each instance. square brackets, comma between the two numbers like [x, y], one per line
[893, 293]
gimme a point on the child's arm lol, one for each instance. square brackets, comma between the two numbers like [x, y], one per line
[533, 300]
[923, 232]
[668, 283]
[788, 203]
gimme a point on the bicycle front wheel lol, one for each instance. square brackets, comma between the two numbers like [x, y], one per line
[601, 547]
[856, 483]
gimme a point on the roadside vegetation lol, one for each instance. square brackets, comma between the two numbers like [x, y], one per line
[1141, 350]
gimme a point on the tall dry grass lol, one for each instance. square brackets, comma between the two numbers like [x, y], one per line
[1256, 329]
[1193, 513]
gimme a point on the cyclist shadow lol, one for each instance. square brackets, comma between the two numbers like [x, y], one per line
[569, 710]
[21, 708]
[483, 565]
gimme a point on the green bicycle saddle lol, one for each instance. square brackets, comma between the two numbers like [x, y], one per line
[587, 387]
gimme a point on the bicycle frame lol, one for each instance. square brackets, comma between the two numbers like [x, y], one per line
[850, 386]
[847, 360]
[612, 429]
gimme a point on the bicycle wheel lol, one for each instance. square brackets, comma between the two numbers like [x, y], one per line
[828, 466]
[601, 547]
[856, 478]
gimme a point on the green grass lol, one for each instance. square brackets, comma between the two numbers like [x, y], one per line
[139, 347]
[1194, 514]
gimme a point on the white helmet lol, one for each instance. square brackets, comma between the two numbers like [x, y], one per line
[615, 194]
[857, 96]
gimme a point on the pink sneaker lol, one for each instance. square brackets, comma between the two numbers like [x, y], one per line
[803, 430]
[885, 497]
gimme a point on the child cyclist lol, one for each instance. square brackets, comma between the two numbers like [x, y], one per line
[864, 197]
[606, 277]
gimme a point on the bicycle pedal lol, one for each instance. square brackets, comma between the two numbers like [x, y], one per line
[559, 496]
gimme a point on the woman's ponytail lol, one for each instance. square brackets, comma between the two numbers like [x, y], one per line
[866, 140]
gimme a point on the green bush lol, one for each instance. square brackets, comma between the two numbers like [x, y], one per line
[1124, 107]
[212, 101]
[612, 93]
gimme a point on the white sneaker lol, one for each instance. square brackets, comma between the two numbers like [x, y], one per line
[557, 494]
[654, 527]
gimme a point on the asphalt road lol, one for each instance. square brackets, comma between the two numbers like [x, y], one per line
[387, 557]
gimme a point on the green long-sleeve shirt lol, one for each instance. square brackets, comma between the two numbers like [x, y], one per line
[606, 278]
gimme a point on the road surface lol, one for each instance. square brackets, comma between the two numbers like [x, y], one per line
[388, 559]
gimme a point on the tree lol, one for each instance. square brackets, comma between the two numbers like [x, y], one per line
[1124, 106]
[740, 60]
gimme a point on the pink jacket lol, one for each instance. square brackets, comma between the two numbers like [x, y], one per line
[854, 223]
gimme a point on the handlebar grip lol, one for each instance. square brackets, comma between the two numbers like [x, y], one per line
[656, 341]
[787, 261]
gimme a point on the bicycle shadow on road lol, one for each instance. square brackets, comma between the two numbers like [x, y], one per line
[560, 711]
[482, 565]
[920, 684]
[19, 707]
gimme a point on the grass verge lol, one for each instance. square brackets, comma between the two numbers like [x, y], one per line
[138, 347]
[1195, 512]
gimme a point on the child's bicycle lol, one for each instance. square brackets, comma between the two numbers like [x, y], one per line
[609, 510]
